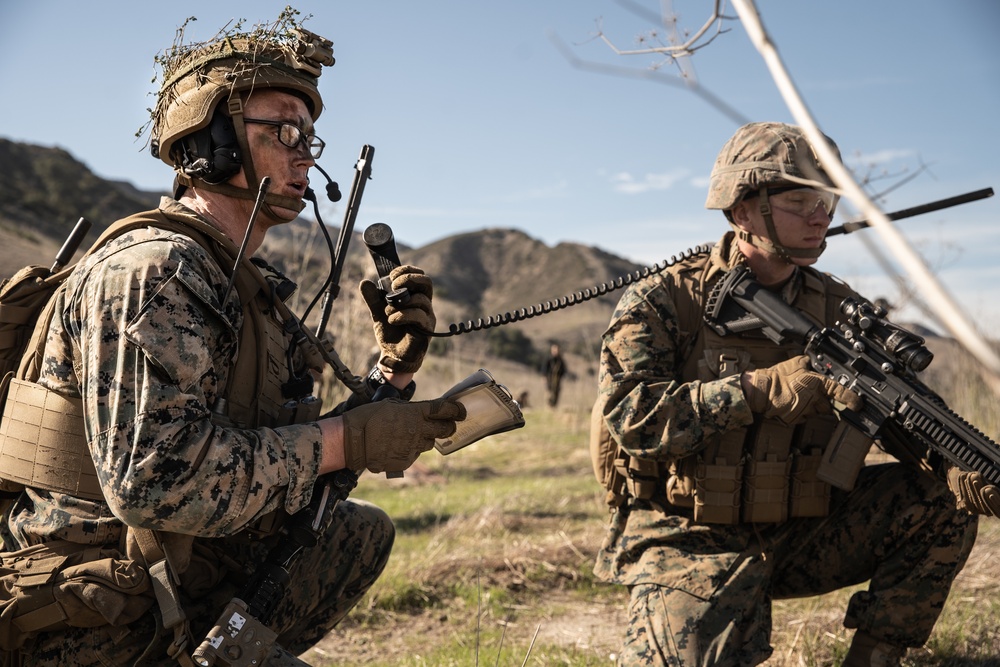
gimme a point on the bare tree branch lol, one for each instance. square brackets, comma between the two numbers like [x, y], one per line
[670, 19]
[651, 75]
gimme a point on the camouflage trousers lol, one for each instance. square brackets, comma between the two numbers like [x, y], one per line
[898, 530]
[326, 582]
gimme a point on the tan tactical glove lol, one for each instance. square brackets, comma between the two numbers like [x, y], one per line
[402, 347]
[972, 493]
[789, 391]
[389, 435]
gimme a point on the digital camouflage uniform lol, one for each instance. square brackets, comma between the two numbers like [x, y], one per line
[701, 593]
[141, 336]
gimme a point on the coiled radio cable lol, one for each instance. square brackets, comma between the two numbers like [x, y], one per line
[546, 307]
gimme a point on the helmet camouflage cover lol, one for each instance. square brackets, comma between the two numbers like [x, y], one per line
[197, 77]
[762, 154]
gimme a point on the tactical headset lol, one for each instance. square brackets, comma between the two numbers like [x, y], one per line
[211, 154]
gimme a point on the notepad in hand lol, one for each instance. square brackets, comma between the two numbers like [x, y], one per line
[489, 407]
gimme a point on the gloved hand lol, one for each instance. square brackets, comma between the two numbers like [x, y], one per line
[789, 391]
[389, 435]
[972, 493]
[402, 348]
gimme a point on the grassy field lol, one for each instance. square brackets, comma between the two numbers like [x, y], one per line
[493, 559]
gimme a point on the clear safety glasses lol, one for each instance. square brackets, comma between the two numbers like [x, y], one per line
[802, 202]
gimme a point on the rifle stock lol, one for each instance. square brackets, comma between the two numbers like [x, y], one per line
[871, 356]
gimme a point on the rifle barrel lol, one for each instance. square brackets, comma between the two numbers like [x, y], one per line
[976, 195]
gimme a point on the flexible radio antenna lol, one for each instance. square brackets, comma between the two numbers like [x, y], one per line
[265, 183]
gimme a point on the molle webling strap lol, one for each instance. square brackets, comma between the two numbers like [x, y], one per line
[42, 443]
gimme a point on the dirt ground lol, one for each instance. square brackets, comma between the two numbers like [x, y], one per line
[590, 627]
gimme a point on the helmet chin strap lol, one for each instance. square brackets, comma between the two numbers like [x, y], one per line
[771, 244]
[242, 193]
[251, 192]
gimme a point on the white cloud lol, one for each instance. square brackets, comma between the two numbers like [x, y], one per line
[881, 157]
[627, 184]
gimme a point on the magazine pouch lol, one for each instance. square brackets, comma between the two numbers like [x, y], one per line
[718, 481]
[810, 496]
[765, 494]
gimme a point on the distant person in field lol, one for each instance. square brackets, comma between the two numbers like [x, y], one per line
[554, 369]
[709, 448]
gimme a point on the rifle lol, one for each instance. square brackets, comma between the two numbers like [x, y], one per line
[241, 637]
[876, 359]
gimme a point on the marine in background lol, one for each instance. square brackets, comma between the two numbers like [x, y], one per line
[709, 448]
[554, 368]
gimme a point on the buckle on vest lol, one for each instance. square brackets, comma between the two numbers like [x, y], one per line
[728, 365]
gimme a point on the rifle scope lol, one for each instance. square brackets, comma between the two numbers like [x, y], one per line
[907, 347]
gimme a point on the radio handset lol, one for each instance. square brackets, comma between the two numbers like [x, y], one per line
[382, 246]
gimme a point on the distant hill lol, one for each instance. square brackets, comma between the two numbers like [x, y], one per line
[47, 190]
[43, 192]
[476, 274]
[494, 271]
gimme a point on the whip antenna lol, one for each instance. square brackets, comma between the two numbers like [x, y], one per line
[265, 183]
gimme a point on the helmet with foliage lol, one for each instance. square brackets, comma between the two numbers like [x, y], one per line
[197, 123]
[764, 154]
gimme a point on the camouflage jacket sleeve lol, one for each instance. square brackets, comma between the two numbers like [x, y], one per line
[648, 409]
[151, 347]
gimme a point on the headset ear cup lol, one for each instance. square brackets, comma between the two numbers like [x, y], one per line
[211, 154]
[226, 158]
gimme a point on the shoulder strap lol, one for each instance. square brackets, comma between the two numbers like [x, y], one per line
[165, 556]
[690, 300]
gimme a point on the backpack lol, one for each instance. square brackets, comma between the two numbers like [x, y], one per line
[23, 298]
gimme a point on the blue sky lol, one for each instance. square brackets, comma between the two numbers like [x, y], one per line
[478, 120]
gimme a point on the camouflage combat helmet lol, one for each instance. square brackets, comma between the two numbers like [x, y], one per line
[197, 123]
[761, 157]
[763, 154]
